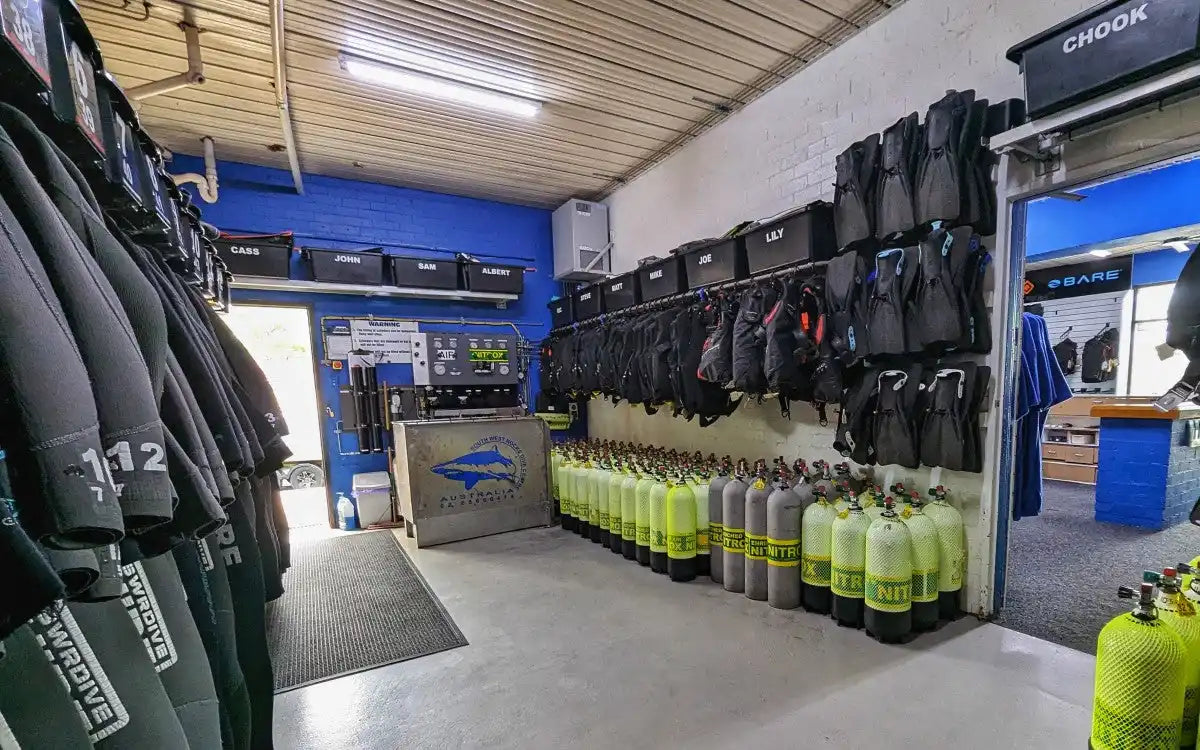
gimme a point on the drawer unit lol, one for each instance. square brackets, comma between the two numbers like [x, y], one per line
[715, 263]
[424, 273]
[1066, 472]
[662, 278]
[801, 235]
[561, 312]
[588, 300]
[1073, 454]
[493, 277]
[621, 292]
[346, 266]
[263, 255]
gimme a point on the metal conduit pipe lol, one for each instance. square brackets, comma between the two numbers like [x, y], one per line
[194, 75]
[206, 184]
[279, 55]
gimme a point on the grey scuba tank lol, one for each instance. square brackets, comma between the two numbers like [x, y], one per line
[716, 526]
[733, 535]
[756, 535]
[803, 485]
[783, 547]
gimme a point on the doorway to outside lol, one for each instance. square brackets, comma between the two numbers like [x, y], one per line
[280, 340]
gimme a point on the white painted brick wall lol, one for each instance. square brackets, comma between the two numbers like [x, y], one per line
[779, 152]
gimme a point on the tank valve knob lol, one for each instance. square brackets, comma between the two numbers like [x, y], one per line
[1124, 592]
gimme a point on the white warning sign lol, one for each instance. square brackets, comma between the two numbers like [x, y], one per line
[390, 341]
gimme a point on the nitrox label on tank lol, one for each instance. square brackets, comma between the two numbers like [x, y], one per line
[847, 582]
[783, 553]
[815, 569]
[733, 540]
[756, 547]
[716, 534]
[889, 594]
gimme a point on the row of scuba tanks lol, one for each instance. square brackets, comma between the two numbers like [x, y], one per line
[1147, 691]
[792, 536]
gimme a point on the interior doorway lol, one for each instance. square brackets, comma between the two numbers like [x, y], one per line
[280, 340]
[1103, 490]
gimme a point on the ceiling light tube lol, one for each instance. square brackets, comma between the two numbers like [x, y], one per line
[1180, 246]
[1100, 253]
[438, 88]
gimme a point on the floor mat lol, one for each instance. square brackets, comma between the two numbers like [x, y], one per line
[353, 602]
[1064, 567]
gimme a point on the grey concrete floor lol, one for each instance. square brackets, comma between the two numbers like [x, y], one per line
[574, 647]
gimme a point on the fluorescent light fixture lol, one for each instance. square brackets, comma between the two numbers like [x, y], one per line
[1180, 246]
[1100, 253]
[438, 88]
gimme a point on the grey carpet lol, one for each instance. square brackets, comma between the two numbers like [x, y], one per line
[1064, 567]
[353, 602]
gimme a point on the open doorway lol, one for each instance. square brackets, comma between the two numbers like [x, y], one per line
[280, 340]
[1104, 482]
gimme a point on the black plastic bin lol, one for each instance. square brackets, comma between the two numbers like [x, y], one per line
[346, 266]
[715, 262]
[621, 292]
[1105, 48]
[588, 301]
[561, 312]
[801, 235]
[662, 278]
[492, 277]
[424, 273]
[265, 255]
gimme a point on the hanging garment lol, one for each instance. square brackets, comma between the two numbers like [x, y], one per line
[857, 170]
[843, 290]
[894, 425]
[716, 361]
[1099, 363]
[1041, 386]
[750, 340]
[899, 153]
[1066, 353]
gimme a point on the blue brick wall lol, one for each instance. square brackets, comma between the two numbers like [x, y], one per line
[351, 215]
[1183, 480]
[1135, 459]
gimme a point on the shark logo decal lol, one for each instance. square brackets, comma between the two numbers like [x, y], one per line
[495, 460]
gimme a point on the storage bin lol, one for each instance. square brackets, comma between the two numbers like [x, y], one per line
[662, 278]
[715, 262]
[346, 266]
[424, 273]
[621, 292]
[588, 301]
[561, 312]
[1105, 48]
[492, 277]
[74, 62]
[24, 56]
[265, 255]
[802, 235]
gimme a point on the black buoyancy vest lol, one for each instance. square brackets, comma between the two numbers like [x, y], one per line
[1066, 353]
[716, 359]
[749, 340]
[843, 285]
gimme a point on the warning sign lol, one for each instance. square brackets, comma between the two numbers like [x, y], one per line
[389, 340]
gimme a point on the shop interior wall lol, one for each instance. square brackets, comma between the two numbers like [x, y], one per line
[779, 152]
[352, 215]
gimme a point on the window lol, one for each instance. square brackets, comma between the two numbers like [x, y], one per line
[1149, 375]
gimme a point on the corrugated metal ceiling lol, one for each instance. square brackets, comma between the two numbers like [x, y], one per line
[623, 82]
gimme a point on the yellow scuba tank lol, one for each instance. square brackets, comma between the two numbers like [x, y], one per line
[615, 479]
[925, 563]
[816, 546]
[593, 495]
[603, 482]
[681, 529]
[1141, 673]
[555, 462]
[887, 593]
[629, 513]
[1185, 585]
[703, 550]
[579, 496]
[848, 564]
[1176, 611]
[658, 521]
[952, 551]
[645, 483]
[566, 483]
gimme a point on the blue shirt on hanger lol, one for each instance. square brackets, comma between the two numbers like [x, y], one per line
[1041, 385]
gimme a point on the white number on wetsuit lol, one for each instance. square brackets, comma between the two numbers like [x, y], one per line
[123, 456]
[100, 469]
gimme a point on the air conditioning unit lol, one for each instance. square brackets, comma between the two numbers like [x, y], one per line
[581, 247]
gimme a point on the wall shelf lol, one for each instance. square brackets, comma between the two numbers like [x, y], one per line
[318, 287]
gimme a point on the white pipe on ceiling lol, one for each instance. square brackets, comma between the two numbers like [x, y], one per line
[206, 184]
[279, 55]
[193, 76]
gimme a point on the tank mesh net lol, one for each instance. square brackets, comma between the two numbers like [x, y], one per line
[1140, 674]
[816, 544]
[889, 566]
[849, 554]
[952, 553]
[925, 555]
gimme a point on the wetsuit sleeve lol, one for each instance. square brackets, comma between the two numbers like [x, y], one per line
[130, 430]
[28, 584]
[48, 415]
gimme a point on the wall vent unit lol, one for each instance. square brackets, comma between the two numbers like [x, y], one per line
[581, 247]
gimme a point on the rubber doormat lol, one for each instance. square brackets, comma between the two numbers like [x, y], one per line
[353, 602]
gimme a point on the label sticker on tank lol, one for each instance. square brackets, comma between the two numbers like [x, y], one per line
[889, 594]
[681, 544]
[643, 536]
[815, 570]
[783, 553]
[716, 537]
[756, 547]
[733, 540]
[847, 582]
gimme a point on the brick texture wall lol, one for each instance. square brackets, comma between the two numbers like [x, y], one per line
[350, 215]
